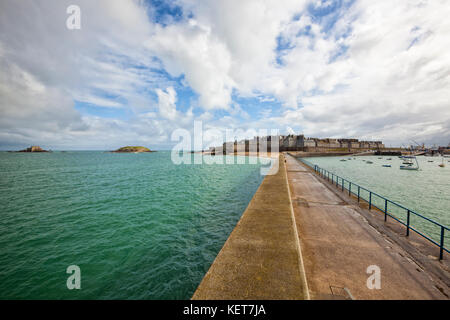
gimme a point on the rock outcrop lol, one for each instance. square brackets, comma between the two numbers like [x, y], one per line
[33, 149]
[129, 149]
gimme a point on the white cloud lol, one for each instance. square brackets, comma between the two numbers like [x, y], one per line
[167, 103]
[395, 75]
[190, 49]
[381, 71]
[44, 68]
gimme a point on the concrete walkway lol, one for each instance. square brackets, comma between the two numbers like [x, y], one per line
[261, 258]
[338, 245]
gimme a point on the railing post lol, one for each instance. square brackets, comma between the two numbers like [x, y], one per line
[359, 188]
[332, 178]
[407, 223]
[342, 184]
[441, 247]
[370, 200]
[385, 210]
[349, 188]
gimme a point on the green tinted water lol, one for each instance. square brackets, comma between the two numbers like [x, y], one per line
[138, 226]
[426, 191]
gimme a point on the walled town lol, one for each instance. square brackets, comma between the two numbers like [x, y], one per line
[296, 143]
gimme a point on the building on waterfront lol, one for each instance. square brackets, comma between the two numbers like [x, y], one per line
[296, 143]
[444, 150]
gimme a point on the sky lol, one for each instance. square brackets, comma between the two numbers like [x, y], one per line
[137, 71]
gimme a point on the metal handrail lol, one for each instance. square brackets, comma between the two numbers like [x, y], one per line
[335, 181]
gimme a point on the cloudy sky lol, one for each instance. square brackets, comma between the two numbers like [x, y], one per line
[138, 70]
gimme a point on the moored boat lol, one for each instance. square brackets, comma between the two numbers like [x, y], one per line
[409, 165]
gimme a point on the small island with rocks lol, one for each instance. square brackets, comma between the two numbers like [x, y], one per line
[129, 149]
[33, 149]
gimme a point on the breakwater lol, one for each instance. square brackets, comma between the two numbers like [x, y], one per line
[424, 193]
[337, 242]
[343, 242]
[262, 257]
[395, 211]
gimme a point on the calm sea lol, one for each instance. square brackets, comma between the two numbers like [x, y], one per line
[426, 191]
[137, 225]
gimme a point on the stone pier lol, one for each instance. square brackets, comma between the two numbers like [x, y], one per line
[261, 258]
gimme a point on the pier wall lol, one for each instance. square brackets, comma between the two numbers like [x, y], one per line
[341, 238]
[300, 238]
[261, 259]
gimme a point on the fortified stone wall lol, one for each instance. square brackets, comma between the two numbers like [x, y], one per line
[297, 143]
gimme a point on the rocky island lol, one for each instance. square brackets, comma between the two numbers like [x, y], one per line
[33, 149]
[129, 149]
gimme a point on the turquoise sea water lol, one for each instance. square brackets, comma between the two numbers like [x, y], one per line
[426, 191]
[138, 226]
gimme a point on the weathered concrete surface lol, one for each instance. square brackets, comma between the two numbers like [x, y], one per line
[261, 258]
[338, 244]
